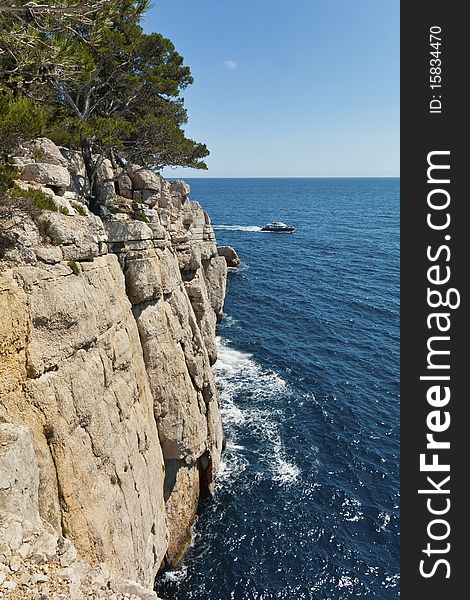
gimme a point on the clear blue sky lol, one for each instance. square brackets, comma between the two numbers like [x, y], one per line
[289, 88]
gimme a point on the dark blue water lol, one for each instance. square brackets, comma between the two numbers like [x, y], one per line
[307, 503]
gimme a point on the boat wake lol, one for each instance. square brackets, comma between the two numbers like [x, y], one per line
[251, 228]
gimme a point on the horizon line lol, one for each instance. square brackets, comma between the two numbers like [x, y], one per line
[291, 177]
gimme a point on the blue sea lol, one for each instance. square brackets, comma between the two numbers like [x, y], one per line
[307, 500]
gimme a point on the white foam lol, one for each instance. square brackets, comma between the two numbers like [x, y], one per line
[346, 581]
[229, 360]
[391, 581]
[384, 519]
[237, 227]
[372, 570]
[232, 446]
[231, 413]
[231, 467]
[286, 473]
[350, 510]
[237, 370]
[229, 321]
[175, 576]
[238, 374]
[283, 471]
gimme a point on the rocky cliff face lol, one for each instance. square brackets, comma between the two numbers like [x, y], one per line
[106, 343]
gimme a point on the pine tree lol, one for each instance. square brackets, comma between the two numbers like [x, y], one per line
[108, 88]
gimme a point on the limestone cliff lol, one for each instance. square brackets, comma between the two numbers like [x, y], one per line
[107, 337]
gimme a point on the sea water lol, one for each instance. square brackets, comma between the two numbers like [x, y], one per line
[307, 498]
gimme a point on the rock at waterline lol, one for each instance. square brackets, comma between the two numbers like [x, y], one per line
[230, 255]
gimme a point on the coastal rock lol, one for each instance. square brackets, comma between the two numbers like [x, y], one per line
[150, 197]
[19, 478]
[107, 335]
[143, 278]
[76, 166]
[45, 151]
[182, 492]
[181, 425]
[106, 188]
[49, 254]
[205, 316]
[47, 174]
[45, 547]
[179, 188]
[215, 273]
[144, 179]
[230, 255]
[80, 238]
[132, 588]
[124, 184]
[98, 441]
[119, 231]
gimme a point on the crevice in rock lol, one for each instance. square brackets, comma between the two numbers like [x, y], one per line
[207, 393]
[50, 436]
[206, 474]
[171, 470]
[188, 274]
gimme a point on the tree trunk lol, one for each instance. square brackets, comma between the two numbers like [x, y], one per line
[94, 204]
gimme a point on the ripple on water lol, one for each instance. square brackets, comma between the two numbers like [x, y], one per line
[307, 501]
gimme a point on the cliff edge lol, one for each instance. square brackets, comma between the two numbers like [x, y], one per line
[110, 427]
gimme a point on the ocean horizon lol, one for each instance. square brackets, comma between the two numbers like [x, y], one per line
[204, 177]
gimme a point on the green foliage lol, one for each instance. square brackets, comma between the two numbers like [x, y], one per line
[107, 87]
[74, 266]
[63, 129]
[163, 143]
[34, 201]
[44, 226]
[35, 198]
[126, 98]
[109, 132]
[37, 154]
[79, 208]
[21, 119]
[8, 174]
[36, 45]
[140, 216]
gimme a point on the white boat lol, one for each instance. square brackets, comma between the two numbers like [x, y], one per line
[277, 227]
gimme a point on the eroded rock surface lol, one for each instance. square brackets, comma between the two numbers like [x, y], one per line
[230, 255]
[107, 397]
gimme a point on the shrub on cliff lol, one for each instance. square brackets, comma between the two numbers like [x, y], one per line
[8, 174]
[32, 201]
[21, 119]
